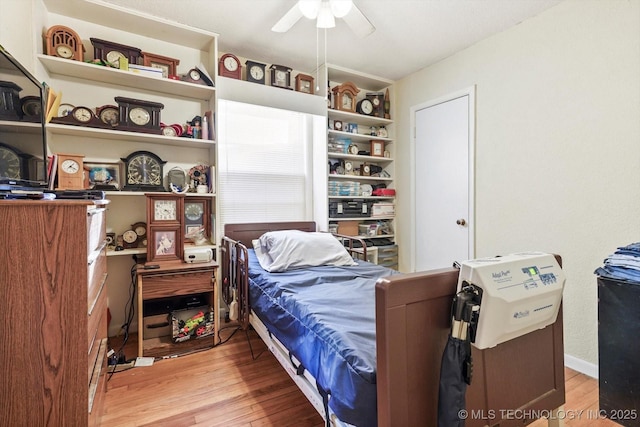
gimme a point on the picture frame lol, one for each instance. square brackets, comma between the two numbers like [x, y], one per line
[164, 243]
[377, 148]
[169, 66]
[105, 175]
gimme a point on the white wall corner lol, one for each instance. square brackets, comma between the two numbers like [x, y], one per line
[582, 366]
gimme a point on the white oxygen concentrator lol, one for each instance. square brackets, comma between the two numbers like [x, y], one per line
[517, 294]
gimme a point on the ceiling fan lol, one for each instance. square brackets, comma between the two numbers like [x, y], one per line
[325, 12]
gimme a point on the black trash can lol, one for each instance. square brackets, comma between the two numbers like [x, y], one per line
[619, 350]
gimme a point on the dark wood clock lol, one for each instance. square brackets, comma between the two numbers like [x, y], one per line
[13, 163]
[81, 116]
[143, 172]
[31, 107]
[111, 52]
[229, 66]
[9, 101]
[197, 76]
[136, 115]
[63, 42]
[280, 76]
[256, 72]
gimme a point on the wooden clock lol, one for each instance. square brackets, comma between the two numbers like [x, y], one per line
[70, 172]
[136, 115]
[165, 213]
[143, 172]
[345, 97]
[229, 66]
[31, 107]
[63, 42]
[9, 101]
[81, 116]
[280, 76]
[169, 66]
[256, 72]
[13, 163]
[197, 214]
[198, 77]
[111, 52]
[304, 83]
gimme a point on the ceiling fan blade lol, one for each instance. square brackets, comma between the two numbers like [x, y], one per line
[288, 20]
[358, 22]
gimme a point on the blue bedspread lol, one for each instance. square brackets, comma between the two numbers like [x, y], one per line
[326, 317]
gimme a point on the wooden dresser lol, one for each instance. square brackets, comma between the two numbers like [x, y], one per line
[53, 308]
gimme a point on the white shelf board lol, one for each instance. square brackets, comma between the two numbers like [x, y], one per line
[117, 135]
[358, 177]
[121, 18]
[357, 136]
[362, 197]
[98, 73]
[143, 193]
[372, 159]
[361, 119]
[362, 218]
[364, 81]
[20, 127]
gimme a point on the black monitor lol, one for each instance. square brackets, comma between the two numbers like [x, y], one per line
[23, 143]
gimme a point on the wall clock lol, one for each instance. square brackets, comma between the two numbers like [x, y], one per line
[256, 72]
[31, 107]
[197, 214]
[280, 76]
[365, 106]
[136, 115]
[345, 97]
[111, 52]
[143, 171]
[229, 66]
[304, 83]
[13, 163]
[169, 66]
[9, 101]
[70, 172]
[63, 42]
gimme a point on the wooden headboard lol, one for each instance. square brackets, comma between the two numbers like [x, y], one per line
[245, 233]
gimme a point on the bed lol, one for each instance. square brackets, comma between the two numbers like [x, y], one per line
[513, 383]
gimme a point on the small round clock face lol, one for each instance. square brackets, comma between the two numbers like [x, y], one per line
[64, 51]
[367, 169]
[82, 114]
[9, 164]
[110, 115]
[281, 76]
[165, 210]
[143, 169]
[32, 107]
[337, 125]
[193, 211]
[140, 230]
[348, 166]
[256, 72]
[129, 236]
[169, 131]
[366, 106]
[113, 58]
[139, 116]
[70, 166]
[353, 149]
[194, 74]
[230, 63]
[346, 101]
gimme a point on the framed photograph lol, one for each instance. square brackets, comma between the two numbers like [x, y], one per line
[104, 176]
[169, 66]
[164, 243]
[377, 148]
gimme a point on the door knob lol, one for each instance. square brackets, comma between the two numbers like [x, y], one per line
[461, 222]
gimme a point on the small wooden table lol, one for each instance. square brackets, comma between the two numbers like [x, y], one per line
[175, 279]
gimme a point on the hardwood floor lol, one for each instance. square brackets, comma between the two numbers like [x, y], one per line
[225, 386]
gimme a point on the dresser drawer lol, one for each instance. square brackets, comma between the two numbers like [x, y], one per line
[95, 317]
[170, 284]
[96, 275]
[96, 228]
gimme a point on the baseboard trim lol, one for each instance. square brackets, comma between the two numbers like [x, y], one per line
[581, 366]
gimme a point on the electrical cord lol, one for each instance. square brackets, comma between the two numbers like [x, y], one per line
[129, 313]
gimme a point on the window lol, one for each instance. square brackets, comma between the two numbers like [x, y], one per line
[264, 163]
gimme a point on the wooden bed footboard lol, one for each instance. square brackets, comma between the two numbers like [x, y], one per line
[513, 383]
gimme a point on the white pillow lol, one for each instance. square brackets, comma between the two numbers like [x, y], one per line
[279, 251]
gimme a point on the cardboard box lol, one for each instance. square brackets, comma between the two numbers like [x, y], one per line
[348, 228]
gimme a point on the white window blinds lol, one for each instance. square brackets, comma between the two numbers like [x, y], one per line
[264, 164]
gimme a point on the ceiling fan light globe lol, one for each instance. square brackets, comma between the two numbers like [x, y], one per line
[340, 8]
[309, 8]
[325, 17]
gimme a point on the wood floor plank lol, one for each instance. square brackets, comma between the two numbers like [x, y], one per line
[225, 386]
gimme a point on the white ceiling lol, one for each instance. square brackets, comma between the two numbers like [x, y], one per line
[410, 34]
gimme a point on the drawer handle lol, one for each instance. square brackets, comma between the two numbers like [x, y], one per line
[96, 211]
[96, 254]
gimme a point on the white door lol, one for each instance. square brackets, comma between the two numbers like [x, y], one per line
[443, 182]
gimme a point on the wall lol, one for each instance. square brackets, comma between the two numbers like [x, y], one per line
[557, 144]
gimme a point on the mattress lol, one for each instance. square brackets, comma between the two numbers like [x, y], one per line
[325, 316]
